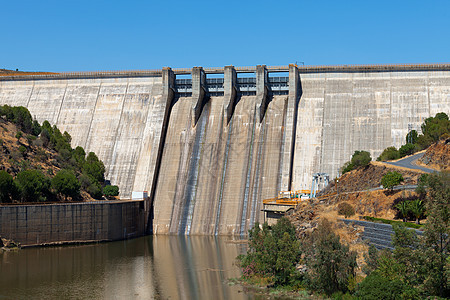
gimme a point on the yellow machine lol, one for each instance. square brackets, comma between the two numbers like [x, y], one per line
[289, 197]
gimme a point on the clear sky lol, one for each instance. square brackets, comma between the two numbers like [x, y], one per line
[67, 35]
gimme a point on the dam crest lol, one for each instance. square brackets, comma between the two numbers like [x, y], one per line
[209, 144]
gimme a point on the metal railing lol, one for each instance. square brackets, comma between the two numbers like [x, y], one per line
[302, 69]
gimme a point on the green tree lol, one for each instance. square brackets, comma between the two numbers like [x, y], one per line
[45, 137]
[35, 128]
[91, 186]
[80, 156]
[421, 185]
[433, 128]
[361, 159]
[33, 185]
[7, 111]
[94, 167]
[411, 137]
[273, 252]
[390, 153]
[417, 207]
[403, 208]
[331, 265]
[111, 190]
[23, 119]
[406, 149]
[6, 187]
[377, 287]
[391, 179]
[437, 233]
[347, 167]
[66, 184]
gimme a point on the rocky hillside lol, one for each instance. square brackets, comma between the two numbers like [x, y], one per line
[363, 179]
[360, 189]
[437, 156]
[24, 152]
[21, 151]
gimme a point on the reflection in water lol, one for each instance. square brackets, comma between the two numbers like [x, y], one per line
[161, 267]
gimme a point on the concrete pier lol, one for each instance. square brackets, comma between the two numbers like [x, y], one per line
[198, 91]
[262, 89]
[230, 90]
[290, 129]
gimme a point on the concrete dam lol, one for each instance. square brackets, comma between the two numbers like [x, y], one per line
[209, 144]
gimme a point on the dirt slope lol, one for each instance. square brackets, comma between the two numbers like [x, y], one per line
[437, 156]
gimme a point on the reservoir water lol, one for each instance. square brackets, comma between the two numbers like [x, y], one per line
[151, 267]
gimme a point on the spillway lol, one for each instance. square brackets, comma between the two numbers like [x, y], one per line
[209, 150]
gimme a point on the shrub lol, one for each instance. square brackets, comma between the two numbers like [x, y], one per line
[346, 209]
[30, 139]
[391, 222]
[22, 150]
[6, 187]
[433, 129]
[405, 150]
[411, 137]
[390, 153]
[35, 128]
[22, 118]
[33, 185]
[272, 253]
[375, 287]
[331, 265]
[417, 208]
[19, 134]
[111, 191]
[391, 179]
[45, 137]
[66, 184]
[95, 190]
[94, 168]
[347, 167]
[403, 209]
[361, 159]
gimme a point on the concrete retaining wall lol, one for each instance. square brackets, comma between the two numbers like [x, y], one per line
[62, 223]
[377, 234]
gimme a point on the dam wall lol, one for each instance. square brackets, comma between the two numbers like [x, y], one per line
[210, 148]
[341, 112]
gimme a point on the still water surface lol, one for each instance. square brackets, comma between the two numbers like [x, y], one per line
[152, 267]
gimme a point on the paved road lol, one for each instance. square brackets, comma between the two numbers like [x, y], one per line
[409, 162]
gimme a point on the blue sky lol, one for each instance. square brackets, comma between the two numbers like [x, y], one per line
[93, 35]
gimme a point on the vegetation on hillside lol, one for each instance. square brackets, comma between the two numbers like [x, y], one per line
[42, 164]
[391, 179]
[319, 261]
[420, 265]
[417, 268]
[433, 129]
[359, 159]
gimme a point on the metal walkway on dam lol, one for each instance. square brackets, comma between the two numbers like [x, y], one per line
[210, 144]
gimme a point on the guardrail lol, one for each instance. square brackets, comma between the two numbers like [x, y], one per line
[180, 71]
